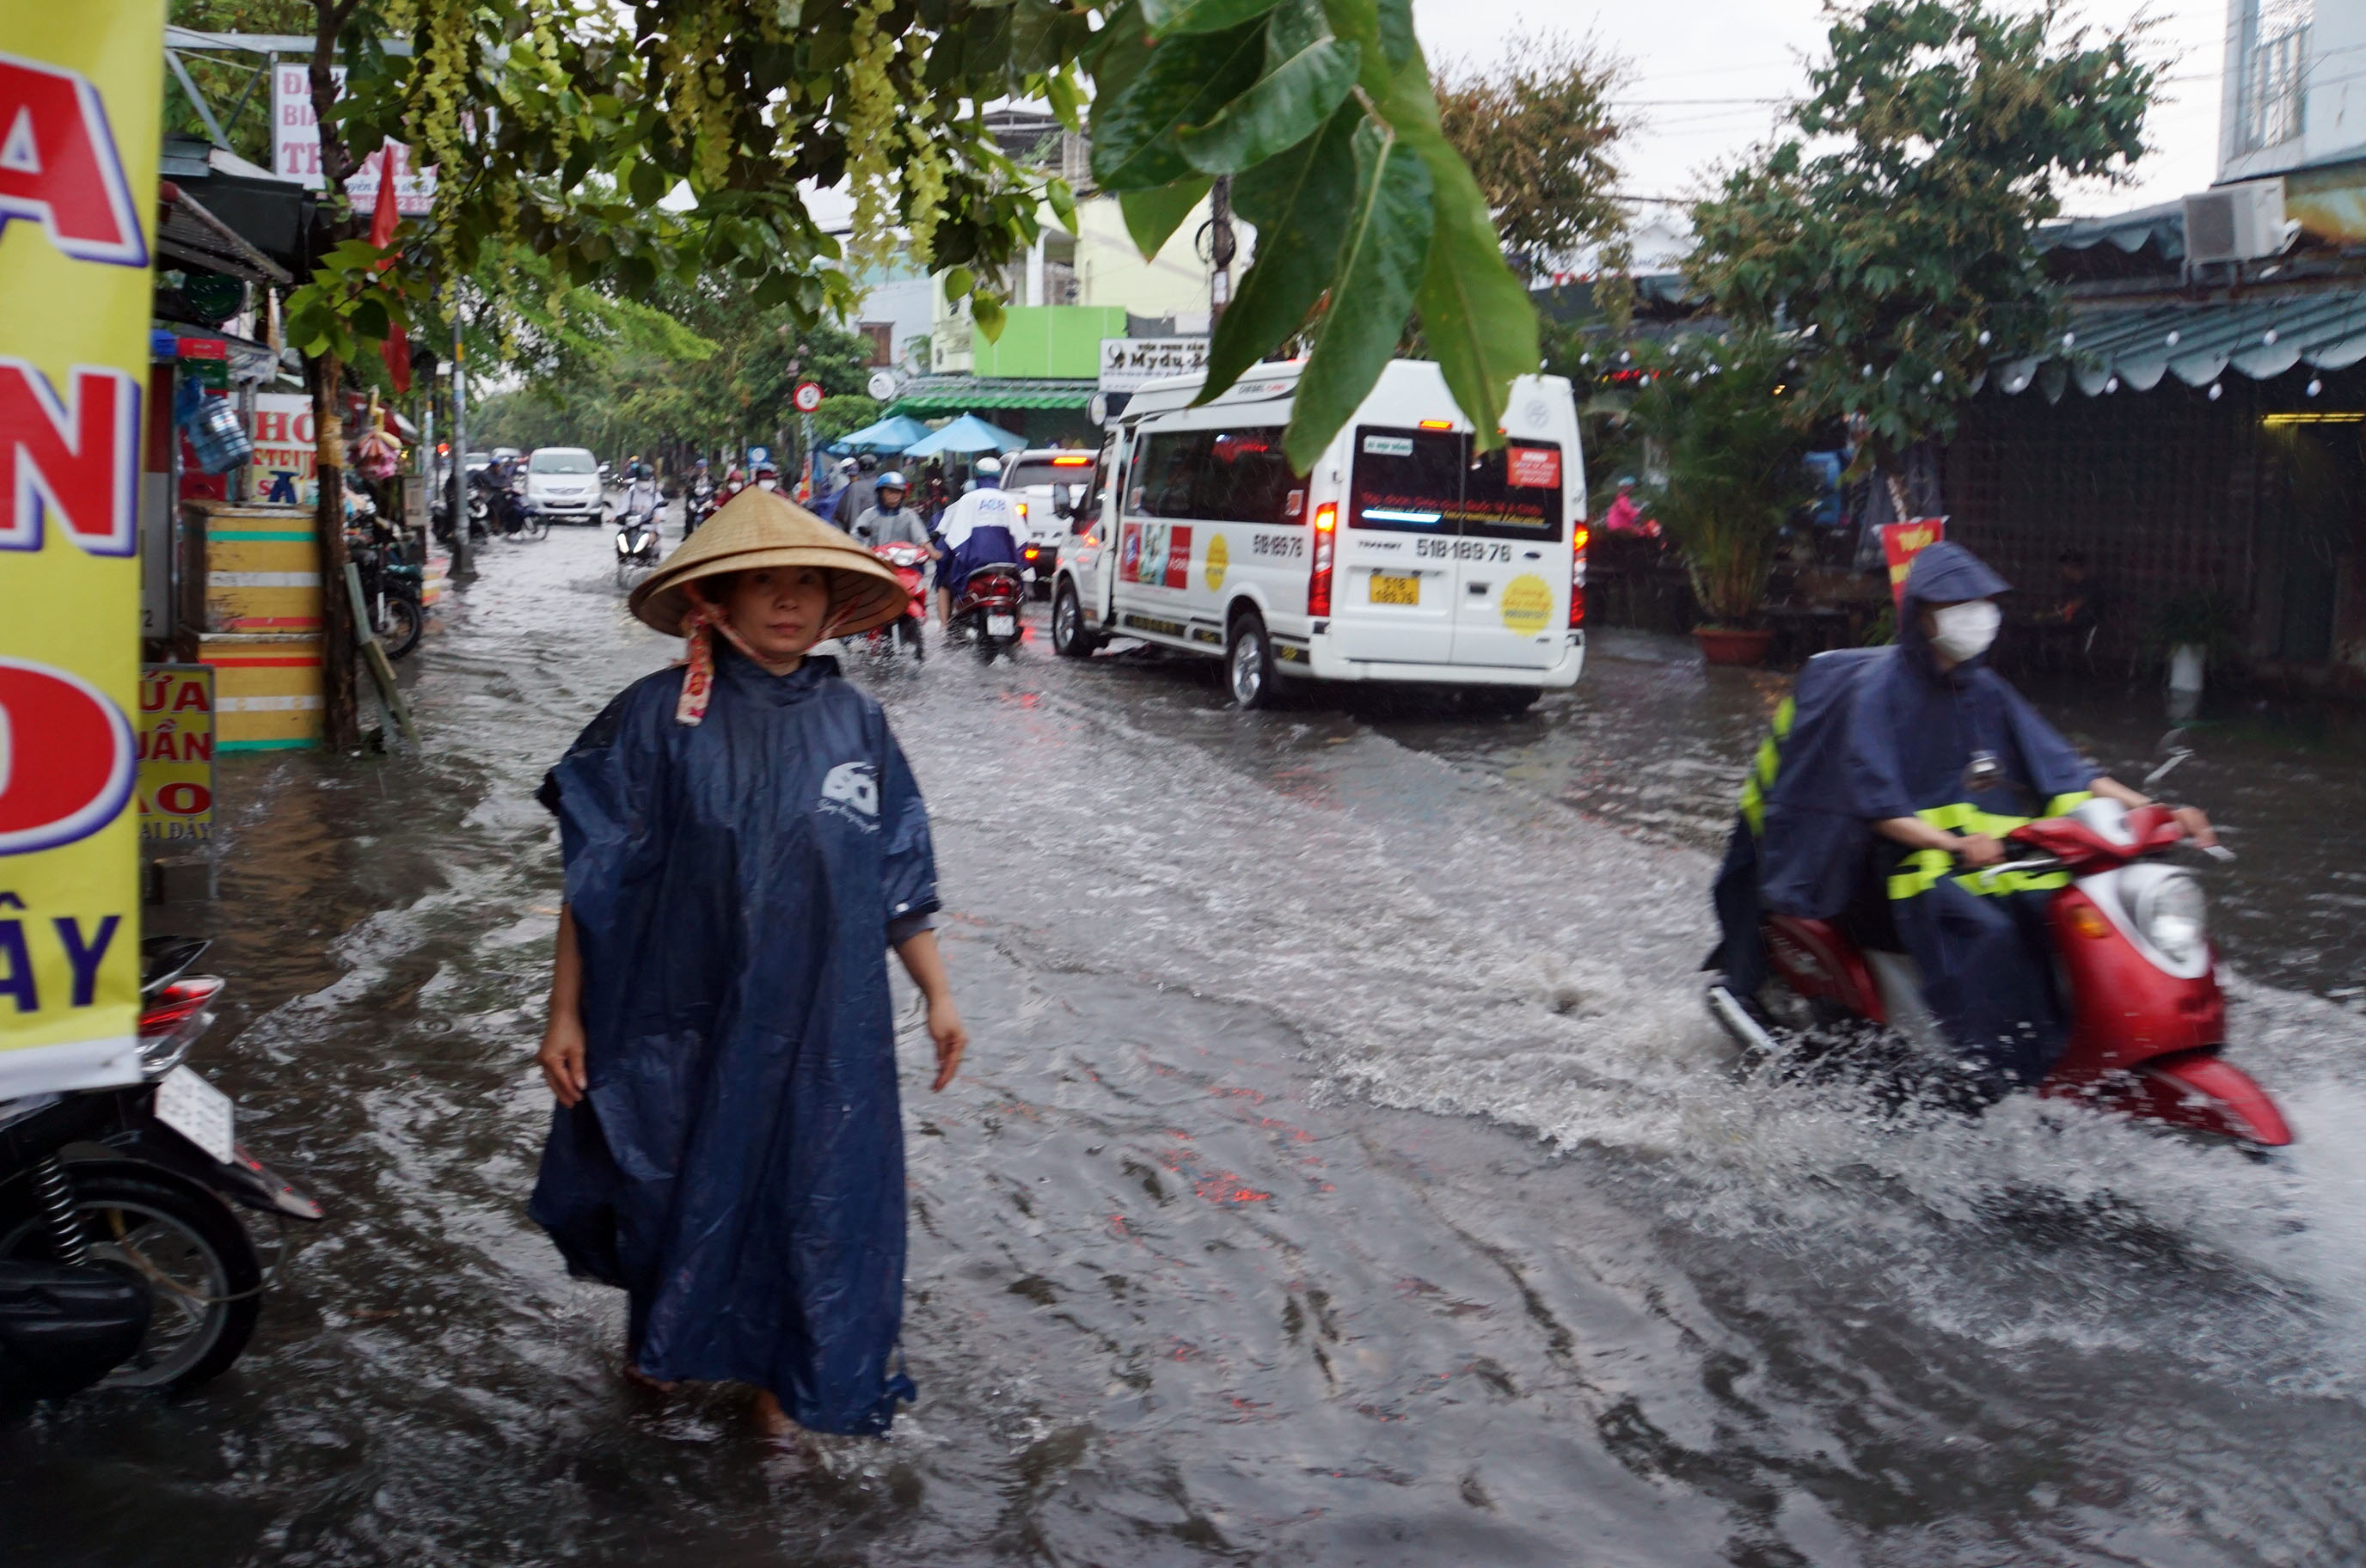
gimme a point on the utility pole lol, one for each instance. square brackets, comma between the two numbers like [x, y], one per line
[1222, 248]
[460, 551]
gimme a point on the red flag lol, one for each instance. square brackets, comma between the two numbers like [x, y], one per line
[396, 350]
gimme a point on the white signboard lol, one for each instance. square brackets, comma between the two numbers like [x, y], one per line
[280, 473]
[296, 148]
[1130, 363]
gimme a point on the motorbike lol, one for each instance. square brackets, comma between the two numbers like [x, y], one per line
[637, 545]
[910, 563]
[391, 587]
[697, 506]
[2130, 934]
[123, 1261]
[986, 613]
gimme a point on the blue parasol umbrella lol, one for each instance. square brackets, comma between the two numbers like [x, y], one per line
[893, 434]
[967, 434]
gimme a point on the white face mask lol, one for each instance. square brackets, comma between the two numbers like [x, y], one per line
[1964, 631]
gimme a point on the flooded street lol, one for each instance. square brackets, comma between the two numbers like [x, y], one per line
[1344, 1170]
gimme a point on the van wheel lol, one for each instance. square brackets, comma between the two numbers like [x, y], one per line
[1502, 701]
[1069, 638]
[1248, 665]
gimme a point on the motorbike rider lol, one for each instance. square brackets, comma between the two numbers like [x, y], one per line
[889, 521]
[641, 495]
[861, 492]
[768, 475]
[979, 529]
[1890, 779]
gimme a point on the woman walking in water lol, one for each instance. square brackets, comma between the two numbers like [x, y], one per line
[744, 842]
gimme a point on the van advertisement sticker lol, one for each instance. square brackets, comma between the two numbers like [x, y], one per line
[1129, 558]
[1527, 605]
[1389, 446]
[1220, 558]
[1534, 467]
[1179, 558]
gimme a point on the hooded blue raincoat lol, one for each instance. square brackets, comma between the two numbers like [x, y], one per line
[738, 1163]
[1874, 734]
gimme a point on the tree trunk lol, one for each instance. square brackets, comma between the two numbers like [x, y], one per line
[340, 721]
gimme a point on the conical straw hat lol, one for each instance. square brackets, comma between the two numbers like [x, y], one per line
[759, 528]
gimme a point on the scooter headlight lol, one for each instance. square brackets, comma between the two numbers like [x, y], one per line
[623, 544]
[2175, 917]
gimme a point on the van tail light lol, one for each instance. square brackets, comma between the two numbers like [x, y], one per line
[1578, 537]
[1326, 535]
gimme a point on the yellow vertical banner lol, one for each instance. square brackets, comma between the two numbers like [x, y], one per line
[81, 100]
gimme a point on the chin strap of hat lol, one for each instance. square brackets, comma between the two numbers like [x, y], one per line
[705, 619]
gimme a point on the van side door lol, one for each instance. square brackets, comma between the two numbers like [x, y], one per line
[1512, 611]
[1154, 539]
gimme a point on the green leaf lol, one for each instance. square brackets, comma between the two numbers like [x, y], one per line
[987, 311]
[1162, 17]
[1381, 254]
[958, 281]
[1151, 216]
[1116, 56]
[1288, 105]
[1189, 77]
[1300, 202]
[1397, 40]
[648, 182]
[1063, 203]
[1475, 315]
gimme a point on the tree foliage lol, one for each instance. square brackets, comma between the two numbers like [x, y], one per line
[1726, 432]
[1893, 223]
[674, 140]
[1540, 137]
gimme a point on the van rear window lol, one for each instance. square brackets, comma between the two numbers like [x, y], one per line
[1425, 481]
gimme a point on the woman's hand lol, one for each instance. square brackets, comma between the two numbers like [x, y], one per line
[2197, 827]
[945, 1028]
[562, 1057]
[1978, 848]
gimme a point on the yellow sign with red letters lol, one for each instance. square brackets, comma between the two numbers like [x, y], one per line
[176, 754]
[81, 97]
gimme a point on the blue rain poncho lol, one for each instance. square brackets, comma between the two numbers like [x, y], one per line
[738, 1163]
[1872, 735]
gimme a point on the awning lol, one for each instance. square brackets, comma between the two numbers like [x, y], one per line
[930, 395]
[2161, 227]
[967, 434]
[2111, 345]
[195, 237]
[895, 434]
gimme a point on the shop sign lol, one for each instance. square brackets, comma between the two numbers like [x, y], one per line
[296, 148]
[1900, 543]
[81, 96]
[1128, 363]
[281, 471]
[176, 753]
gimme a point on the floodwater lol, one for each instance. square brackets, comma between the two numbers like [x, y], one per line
[1344, 1172]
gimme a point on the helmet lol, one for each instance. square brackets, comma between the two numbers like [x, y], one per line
[846, 464]
[768, 466]
[893, 479]
[641, 470]
[868, 461]
[989, 465]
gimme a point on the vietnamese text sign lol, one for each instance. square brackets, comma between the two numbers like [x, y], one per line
[280, 472]
[296, 147]
[81, 94]
[1128, 364]
[1900, 543]
[176, 753]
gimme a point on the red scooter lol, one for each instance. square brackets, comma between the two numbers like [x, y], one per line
[2130, 933]
[987, 610]
[911, 564]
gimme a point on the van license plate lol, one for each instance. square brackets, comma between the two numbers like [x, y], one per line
[1390, 588]
[1002, 625]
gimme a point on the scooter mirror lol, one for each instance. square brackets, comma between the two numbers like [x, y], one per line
[2173, 751]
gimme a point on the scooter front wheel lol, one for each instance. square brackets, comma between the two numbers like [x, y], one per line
[200, 1264]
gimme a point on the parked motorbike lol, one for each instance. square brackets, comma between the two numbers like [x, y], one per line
[697, 506]
[2131, 935]
[986, 613]
[391, 586]
[123, 1261]
[910, 563]
[637, 545]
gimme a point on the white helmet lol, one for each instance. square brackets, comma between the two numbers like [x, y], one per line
[990, 464]
[846, 464]
[893, 479]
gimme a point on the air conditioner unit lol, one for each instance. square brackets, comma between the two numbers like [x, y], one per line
[2237, 222]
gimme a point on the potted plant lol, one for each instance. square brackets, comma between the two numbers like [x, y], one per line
[1728, 477]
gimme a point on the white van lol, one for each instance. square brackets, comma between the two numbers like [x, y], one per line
[563, 484]
[1049, 483]
[1402, 555]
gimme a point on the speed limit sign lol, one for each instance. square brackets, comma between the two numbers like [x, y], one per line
[807, 397]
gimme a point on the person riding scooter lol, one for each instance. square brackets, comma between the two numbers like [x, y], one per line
[980, 529]
[1890, 779]
[889, 521]
[641, 493]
